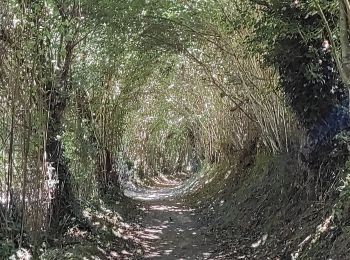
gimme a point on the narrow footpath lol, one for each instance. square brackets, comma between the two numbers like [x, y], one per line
[171, 231]
[169, 228]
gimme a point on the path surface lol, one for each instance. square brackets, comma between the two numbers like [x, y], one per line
[171, 232]
[170, 229]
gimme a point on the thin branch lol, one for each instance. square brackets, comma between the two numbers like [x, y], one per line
[338, 62]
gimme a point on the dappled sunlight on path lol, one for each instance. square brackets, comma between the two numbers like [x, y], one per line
[165, 189]
[171, 232]
[169, 228]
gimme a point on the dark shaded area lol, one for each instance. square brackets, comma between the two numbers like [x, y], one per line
[308, 73]
[311, 83]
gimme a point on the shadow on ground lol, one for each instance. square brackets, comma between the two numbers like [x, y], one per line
[158, 226]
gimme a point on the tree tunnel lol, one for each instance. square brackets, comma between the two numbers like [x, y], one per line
[145, 129]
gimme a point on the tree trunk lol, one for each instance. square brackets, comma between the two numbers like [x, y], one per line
[62, 205]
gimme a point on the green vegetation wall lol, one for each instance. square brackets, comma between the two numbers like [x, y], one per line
[293, 37]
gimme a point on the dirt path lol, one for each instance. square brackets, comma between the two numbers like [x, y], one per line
[157, 226]
[169, 228]
[171, 232]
